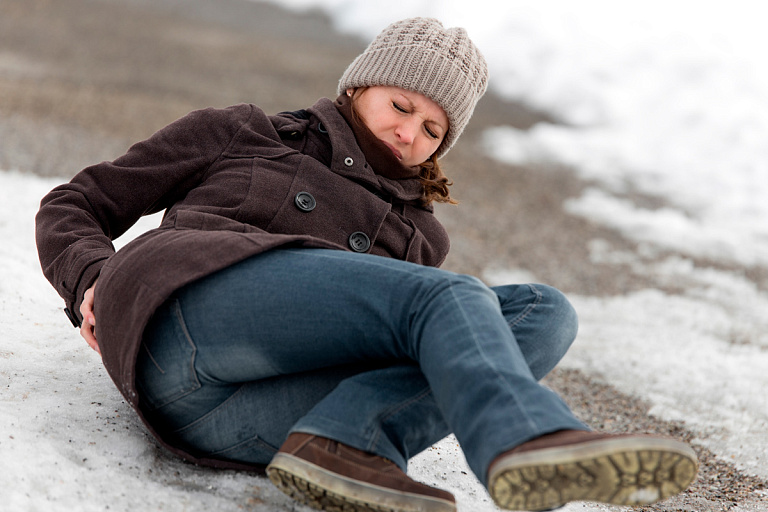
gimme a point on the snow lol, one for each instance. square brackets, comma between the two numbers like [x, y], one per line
[667, 99]
[69, 441]
[698, 356]
[67, 436]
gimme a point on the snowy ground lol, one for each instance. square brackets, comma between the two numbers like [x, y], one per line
[67, 437]
[664, 99]
[668, 100]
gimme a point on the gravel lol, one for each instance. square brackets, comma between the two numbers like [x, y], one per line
[80, 80]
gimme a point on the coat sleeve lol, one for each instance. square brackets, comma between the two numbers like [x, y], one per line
[77, 221]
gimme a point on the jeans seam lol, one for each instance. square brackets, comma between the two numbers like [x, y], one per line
[254, 438]
[384, 416]
[479, 347]
[179, 314]
[152, 358]
[193, 383]
[529, 309]
[205, 416]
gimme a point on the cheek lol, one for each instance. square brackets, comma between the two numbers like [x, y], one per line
[424, 150]
[431, 145]
[376, 123]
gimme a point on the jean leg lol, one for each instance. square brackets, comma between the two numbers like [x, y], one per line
[248, 422]
[398, 418]
[251, 423]
[241, 421]
[543, 322]
[298, 310]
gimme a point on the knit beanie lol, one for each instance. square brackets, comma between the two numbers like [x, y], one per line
[419, 54]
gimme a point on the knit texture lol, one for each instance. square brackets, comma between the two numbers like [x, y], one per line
[419, 54]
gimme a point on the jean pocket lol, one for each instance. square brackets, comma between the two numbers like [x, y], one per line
[165, 366]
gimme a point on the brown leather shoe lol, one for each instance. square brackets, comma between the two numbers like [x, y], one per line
[574, 465]
[328, 475]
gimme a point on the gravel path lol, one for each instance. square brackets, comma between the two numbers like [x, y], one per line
[80, 80]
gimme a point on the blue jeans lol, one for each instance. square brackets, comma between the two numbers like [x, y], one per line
[380, 354]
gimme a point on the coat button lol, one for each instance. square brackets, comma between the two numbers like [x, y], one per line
[349, 162]
[359, 241]
[305, 202]
[321, 128]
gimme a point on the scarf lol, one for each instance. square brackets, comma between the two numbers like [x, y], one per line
[379, 156]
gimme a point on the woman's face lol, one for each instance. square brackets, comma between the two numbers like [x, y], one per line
[409, 123]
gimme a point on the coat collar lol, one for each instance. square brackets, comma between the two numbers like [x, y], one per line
[345, 146]
[384, 162]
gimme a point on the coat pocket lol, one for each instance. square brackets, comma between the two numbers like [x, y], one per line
[203, 221]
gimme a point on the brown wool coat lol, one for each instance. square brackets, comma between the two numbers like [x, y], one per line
[227, 180]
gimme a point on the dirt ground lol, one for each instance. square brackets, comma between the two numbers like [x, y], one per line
[80, 80]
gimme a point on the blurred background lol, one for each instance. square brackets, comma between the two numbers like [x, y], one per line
[620, 155]
[659, 110]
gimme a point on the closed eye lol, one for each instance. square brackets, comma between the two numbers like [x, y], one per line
[404, 110]
[399, 108]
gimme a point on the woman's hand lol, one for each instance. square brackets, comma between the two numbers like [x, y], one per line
[89, 320]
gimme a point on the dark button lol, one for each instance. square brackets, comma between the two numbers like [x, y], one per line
[359, 241]
[321, 128]
[72, 318]
[305, 202]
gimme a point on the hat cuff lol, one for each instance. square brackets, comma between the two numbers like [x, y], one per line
[421, 70]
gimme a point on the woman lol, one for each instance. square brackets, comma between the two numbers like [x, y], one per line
[289, 310]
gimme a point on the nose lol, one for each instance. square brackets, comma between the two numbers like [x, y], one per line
[406, 131]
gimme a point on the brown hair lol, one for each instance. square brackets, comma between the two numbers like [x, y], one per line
[434, 183]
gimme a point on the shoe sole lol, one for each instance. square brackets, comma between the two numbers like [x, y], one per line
[627, 471]
[324, 490]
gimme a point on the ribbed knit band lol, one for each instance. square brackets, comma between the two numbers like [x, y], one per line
[419, 54]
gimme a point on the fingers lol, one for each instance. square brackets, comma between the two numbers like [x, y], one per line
[87, 330]
[86, 308]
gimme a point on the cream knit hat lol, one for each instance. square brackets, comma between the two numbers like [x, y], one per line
[419, 54]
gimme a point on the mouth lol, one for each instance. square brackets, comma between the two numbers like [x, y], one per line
[394, 150]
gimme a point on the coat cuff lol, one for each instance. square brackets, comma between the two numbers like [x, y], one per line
[72, 309]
